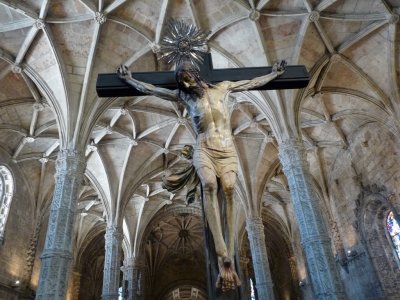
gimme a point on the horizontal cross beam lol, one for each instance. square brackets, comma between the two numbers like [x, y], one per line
[294, 77]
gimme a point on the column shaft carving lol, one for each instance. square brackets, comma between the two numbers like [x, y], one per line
[133, 269]
[112, 267]
[255, 230]
[313, 233]
[57, 253]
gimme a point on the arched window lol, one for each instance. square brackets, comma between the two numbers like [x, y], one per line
[6, 194]
[394, 232]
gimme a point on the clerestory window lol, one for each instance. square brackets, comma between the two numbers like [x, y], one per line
[394, 232]
[6, 194]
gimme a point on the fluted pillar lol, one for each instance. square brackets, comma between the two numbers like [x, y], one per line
[313, 233]
[255, 231]
[57, 253]
[113, 249]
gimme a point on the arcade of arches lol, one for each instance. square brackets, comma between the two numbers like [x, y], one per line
[83, 213]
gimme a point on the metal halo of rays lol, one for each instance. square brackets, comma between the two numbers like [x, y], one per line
[183, 42]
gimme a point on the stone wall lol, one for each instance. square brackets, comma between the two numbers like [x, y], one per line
[360, 181]
[17, 234]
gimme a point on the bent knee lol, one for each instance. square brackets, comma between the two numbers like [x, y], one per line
[228, 190]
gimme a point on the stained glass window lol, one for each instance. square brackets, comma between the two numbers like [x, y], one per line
[6, 193]
[394, 232]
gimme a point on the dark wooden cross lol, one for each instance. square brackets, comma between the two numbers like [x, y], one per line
[294, 77]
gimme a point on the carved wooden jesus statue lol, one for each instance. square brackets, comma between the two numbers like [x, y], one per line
[214, 155]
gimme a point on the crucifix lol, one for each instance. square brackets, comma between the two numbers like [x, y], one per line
[111, 85]
[205, 93]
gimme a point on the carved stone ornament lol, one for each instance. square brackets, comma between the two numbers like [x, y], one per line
[38, 106]
[40, 24]
[254, 15]
[109, 130]
[335, 58]
[100, 17]
[29, 139]
[91, 148]
[16, 69]
[394, 18]
[313, 16]
[44, 160]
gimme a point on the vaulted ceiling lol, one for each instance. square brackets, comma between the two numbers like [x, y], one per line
[52, 51]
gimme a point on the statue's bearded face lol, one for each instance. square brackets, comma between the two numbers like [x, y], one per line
[187, 79]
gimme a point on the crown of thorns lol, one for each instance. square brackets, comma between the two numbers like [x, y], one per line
[183, 42]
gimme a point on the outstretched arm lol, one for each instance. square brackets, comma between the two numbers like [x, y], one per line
[144, 87]
[244, 85]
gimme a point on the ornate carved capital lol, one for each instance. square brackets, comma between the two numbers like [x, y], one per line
[292, 151]
[70, 162]
[254, 224]
[113, 234]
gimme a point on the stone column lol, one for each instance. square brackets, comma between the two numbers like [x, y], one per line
[255, 231]
[313, 233]
[133, 269]
[57, 253]
[130, 279]
[112, 266]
